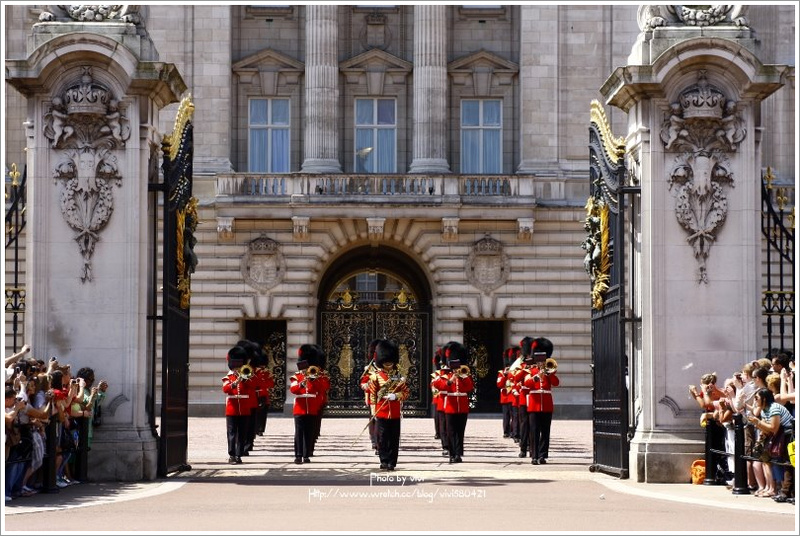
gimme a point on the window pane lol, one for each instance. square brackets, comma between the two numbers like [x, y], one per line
[386, 112]
[386, 149]
[491, 113]
[364, 112]
[280, 150]
[258, 112]
[364, 155]
[470, 151]
[258, 150]
[469, 113]
[492, 155]
[280, 112]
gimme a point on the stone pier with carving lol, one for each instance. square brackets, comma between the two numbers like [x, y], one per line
[692, 91]
[94, 87]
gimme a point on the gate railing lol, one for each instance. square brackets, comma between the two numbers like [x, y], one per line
[15, 224]
[777, 227]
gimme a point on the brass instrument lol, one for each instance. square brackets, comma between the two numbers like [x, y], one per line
[312, 372]
[463, 371]
[550, 366]
[245, 372]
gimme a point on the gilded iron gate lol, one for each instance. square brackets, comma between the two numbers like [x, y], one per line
[777, 226]
[180, 222]
[604, 261]
[346, 331]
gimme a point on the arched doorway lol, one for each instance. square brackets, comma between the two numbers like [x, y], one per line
[368, 293]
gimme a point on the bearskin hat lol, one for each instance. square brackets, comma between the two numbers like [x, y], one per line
[525, 344]
[255, 353]
[310, 354]
[371, 349]
[455, 353]
[386, 352]
[541, 344]
[237, 356]
[437, 358]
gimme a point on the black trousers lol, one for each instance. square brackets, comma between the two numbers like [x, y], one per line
[261, 415]
[540, 433]
[456, 425]
[388, 440]
[441, 416]
[524, 428]
[373, 433]
[514, 421]
[236, 429]
[435, 422]
[506, 419]
[304, 426]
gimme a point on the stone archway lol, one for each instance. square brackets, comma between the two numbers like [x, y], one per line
[367, 293]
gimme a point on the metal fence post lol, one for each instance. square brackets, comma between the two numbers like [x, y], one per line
[49, 462]
[739, 463]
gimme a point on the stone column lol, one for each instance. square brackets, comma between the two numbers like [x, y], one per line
[692, 94]
[322, 91]
[430, 90]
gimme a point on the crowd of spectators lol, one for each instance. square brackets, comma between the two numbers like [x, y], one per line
[763, 393]
[46, 399]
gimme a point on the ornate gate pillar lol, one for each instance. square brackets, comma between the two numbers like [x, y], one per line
[692, 92]
[94, 90]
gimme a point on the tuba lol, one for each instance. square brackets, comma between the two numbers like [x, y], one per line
[245, 372]
[312, 372]
[550, 366]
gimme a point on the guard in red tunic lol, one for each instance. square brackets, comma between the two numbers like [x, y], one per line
[388, 389]
[519, 375]
[540, 380]
[505, 394]
[457, 384]
[239, 404]
[363, 382]
[440, 368]
[309, 387]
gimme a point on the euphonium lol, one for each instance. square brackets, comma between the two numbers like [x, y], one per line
[463, 371]
[550, 365]
[245, 372]
[312, 372]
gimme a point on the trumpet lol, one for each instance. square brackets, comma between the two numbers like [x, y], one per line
[245, 372]
[463, 371]
[550, 366]
[312, 372]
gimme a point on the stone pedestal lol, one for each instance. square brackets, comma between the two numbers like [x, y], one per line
[94, 91]
[692, 95]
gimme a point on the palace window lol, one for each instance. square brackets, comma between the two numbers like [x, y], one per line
[269, 130]
[481, 135]
[375, 136]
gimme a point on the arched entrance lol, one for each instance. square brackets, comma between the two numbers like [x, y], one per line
[368, 293]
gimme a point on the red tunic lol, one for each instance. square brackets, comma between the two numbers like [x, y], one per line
[540, 397]
[309, 393]
[380, 385]
[241, 397]
[457, 392]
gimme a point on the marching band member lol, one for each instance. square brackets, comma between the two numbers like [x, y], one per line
[513, 397]
[540, 380]
[505, 399]
[521, 391]
[239, 403]
[437, 363]
[456, 384]
[363, 382]
[308, 386]
[388, 389]
[319, 361]
[441, 367]
[261, 382]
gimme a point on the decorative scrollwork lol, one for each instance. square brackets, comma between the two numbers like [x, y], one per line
[597, 261]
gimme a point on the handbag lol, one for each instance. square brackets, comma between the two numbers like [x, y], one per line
[777, 444]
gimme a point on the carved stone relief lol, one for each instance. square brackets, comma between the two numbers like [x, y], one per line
[704, 126]
[654, 16]
[450, 229]
[300, 227]
[86, 125]
[263, 265]
[487, 265]
[91, 13]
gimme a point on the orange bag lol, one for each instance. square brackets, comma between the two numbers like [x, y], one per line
[698, 471]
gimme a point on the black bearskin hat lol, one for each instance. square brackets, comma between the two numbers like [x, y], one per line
[386, 352]
[455, 353]
[540, 344]
[371, 349]
[237, 356]
[310, 354]
[525, 344]
[437, 358]
[255, 353]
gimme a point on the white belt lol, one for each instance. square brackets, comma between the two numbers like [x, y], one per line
[457, 394]
[306, 395]
[238, 396]
[541, 391]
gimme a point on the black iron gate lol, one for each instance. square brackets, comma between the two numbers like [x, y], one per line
[15, 224]
[777, 226]
[484, 341]
[180, 222]
[604, 261]
[346, 334]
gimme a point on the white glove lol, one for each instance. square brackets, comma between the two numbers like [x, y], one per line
[391, 396]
